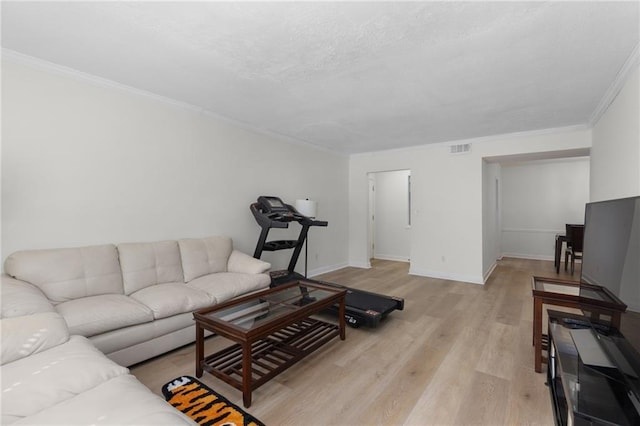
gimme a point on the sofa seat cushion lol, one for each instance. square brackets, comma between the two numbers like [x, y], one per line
[204, 256]
[148, 333]
[169, 299]
[69, 273]
[119, 401]
[98, 314]
[30, 334]
[227, 285]
[147, 264]
[47, 378]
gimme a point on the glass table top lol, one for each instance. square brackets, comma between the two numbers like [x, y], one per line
[265, 307]
[573, 288]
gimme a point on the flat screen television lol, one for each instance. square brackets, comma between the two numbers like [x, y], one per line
[611, 249]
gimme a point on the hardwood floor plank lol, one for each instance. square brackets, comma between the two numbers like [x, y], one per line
[396, 395]
[483, 401]
[444, 394]
[498, 356]
[458, 354]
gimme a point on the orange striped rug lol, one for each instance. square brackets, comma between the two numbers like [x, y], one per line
[205, 406]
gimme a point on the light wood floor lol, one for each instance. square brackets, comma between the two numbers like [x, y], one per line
[458, 354]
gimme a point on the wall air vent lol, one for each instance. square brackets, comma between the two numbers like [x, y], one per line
[463, 148]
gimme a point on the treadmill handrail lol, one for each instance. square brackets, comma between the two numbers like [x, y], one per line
[264, 221]
[280, 218]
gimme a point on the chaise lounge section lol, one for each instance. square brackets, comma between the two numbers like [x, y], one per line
[50, 377]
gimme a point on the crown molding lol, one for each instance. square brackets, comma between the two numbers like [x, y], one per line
[618, 83]
[481, 139]
[61, 70]
[610, 95]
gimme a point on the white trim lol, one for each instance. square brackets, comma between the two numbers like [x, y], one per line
[633, 307]
[391, 257]
[20, 58]
[534, 231]
[326, 269]
[516, 161]
[480, 139]
[446, 276]
[618, 83]
[487, 274]
[529, 256]
[360, 264]
[61, 70]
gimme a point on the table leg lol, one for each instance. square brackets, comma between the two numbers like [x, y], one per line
[341, 321]
[615, 320]
[199, 349]
[246, 374]
[537, 333]
[558, 253]
[533, 321]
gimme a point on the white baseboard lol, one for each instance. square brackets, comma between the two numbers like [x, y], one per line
[364, 264]
[633, 307]
[326, 269]
[446, 276]
[391, 257]
[528, 256]
[489, 272]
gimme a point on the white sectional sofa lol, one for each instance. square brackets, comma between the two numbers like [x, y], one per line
[63, 310]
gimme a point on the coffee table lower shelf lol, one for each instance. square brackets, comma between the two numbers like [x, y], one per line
[270, 355]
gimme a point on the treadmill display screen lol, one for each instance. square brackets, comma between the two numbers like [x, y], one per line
[274, 202]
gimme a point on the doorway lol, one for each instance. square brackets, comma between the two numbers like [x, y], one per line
[389, 215]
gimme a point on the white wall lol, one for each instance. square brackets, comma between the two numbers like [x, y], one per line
[447, 223]
[538, 199]
[86, 164]
[615, 155]
[391, 215]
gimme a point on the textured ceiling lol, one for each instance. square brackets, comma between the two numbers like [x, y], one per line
[347, 76]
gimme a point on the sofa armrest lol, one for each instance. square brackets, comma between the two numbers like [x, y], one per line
[243, 263]
[18, 298]
[30, 334]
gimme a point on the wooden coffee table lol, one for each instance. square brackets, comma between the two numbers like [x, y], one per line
[273, 330]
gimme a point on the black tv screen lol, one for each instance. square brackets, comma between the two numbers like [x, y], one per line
[611, 250]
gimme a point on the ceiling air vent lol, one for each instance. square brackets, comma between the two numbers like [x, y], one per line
[463, 148]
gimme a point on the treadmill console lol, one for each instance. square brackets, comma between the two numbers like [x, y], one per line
[274, 209]
[272, 204]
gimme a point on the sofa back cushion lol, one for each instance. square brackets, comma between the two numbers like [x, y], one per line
[204, 256]
[147, 264]
[18, 298]
[69, 273]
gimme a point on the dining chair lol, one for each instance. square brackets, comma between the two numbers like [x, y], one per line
[575, 238]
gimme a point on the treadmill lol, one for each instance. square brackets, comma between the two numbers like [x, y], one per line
[361, 307]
